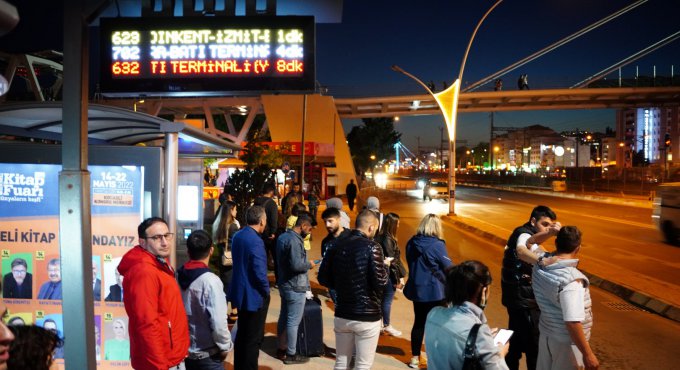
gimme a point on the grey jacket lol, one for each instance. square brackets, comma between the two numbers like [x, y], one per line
[292, 263]
[206, 307]
[446, 331]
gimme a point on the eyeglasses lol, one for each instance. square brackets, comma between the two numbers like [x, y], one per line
[158, 237]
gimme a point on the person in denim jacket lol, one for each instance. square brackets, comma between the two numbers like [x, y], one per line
[447, 328]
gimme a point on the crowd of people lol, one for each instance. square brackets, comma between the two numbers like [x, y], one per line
[181, 318]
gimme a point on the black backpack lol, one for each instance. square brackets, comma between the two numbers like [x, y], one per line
[471, 359]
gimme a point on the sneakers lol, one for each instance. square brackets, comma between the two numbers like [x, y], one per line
[297, 359]
[415, 362]
[389, 329]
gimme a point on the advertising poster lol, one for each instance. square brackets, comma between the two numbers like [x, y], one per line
[29, 251]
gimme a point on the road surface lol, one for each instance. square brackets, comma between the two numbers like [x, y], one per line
[624, 337]
[620, 243]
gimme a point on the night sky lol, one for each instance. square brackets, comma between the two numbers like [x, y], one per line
[428, 39]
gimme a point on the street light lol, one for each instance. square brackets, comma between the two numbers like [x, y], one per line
[448, 104]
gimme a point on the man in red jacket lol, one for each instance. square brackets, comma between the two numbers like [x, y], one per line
[159, 332]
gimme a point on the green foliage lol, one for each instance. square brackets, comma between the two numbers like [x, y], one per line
[256, 154]
[376, 137]
[246, 185]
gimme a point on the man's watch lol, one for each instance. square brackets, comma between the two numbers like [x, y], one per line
[545, 255]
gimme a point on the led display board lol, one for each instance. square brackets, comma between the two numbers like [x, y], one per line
[206, 55]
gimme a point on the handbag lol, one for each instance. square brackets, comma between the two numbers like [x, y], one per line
[227, 259]
[471, 359]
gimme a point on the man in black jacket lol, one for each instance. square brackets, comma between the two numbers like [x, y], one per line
[266, 201]
[522, 251]
[19, 282]
[355, 268]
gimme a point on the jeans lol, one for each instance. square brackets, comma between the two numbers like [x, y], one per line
[421, 309]
[180, 366]
[387, 303]
[208, 363]
[524, 323]
[292, 308]
[249, 337]
[359, 336]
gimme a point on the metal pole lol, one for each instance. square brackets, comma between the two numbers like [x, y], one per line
[75, 226]
[449, 109]
[170, 202]
[492, 163]
[553, 46]
[304, 119]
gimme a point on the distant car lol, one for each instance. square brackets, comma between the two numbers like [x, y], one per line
[420, 182]
[436, 189]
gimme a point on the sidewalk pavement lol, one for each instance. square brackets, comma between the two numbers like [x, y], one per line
[392, 353]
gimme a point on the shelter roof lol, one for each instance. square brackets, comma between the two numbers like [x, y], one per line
[108, 125]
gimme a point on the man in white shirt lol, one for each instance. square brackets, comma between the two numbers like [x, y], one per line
[563, 296]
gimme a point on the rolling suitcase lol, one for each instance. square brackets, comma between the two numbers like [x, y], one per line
[310, 331]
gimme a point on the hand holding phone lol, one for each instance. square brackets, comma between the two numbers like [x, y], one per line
[502, 337]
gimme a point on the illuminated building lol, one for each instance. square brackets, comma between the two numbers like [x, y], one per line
[644, 130]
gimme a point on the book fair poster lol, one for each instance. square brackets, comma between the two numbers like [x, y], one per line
[29, 250]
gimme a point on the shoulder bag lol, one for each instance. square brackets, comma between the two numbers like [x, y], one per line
[226, 253]
[471, 359]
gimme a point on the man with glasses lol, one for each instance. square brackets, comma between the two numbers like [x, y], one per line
[19, 282]
[159, 332]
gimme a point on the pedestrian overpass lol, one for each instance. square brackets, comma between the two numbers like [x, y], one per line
[512, 100]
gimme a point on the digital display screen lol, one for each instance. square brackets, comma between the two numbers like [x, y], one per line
[207, 55]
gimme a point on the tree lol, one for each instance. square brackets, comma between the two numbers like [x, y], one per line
[372, 142]
[256, 154]
[245, 185]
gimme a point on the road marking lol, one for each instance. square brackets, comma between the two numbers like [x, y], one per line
[563, 211]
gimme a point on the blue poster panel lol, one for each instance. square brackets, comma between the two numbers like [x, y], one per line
[29, 250]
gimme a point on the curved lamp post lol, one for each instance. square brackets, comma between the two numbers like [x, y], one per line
[448, 104]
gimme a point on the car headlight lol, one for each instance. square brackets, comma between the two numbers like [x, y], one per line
[432, 191]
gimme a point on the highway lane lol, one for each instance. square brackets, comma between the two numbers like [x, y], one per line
[623, 336]
[620, 242]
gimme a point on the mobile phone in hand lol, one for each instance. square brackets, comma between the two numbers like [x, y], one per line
[502, 337]
[316, 262]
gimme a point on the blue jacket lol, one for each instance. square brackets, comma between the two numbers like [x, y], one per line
[427, 259]
[292, 263]
[446, 332]
[249, 285]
